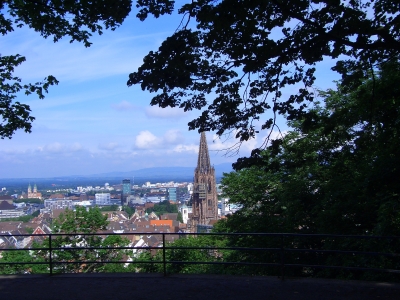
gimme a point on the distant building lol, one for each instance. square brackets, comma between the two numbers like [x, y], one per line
[205, 198]
[190, 188]
[135, 200]
[126, 190]
[184, 210]
[7, 198]
[83, 203]
[102, 199]
[34, 193]
[126, 187]
[8, 210]
[172, 194]
[52, 204]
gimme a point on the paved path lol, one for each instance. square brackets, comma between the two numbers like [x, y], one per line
[177, 287]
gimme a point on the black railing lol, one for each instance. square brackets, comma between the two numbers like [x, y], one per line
[270, 253]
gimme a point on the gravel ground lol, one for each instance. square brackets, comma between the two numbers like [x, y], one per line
[176, 287]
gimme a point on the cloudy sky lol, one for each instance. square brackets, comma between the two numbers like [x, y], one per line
[92, 122]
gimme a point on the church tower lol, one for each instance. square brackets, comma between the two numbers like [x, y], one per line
[205, 200]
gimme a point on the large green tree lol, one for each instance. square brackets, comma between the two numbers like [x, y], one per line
[202, 249]
[50, 18]
[81, 225]
[336, 172]
[233, 60]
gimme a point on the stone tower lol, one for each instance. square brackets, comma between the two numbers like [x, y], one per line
[205, 200]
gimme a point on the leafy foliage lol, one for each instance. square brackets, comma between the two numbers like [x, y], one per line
[83, 224]
[113, 207]
[179, 217]
[129, 210]
[163, 207]
[180, 254]
[21, 256]
[56, 19]
[15, 115]
[336, 172]
[233, 59]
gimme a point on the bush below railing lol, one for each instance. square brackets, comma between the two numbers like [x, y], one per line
[282, 254]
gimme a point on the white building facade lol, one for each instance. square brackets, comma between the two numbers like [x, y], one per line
[102, 199]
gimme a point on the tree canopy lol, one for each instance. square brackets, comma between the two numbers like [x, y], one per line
[163, 207]
[77, 20]
[78, 223]
[335, 173]
[233, 60]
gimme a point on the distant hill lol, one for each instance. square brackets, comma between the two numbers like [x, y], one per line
[158, 174]
[163, 172]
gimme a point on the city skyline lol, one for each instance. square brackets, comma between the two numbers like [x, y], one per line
[92, 122]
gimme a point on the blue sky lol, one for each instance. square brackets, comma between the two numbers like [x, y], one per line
[92, 122]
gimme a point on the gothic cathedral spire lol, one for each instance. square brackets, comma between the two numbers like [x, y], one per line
[203, 162]
[205, 200]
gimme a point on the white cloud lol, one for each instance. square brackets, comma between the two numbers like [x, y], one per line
[164, 113]
[108, 146]
[147, 140]
[173, 137]
[54, 148]
[186, 148]
[58, 148]
[123, 106]
[76, 147]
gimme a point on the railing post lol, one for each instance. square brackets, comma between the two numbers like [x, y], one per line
[50, 256]
[282, 258]
[164, 262]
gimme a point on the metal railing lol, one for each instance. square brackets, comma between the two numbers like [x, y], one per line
[278, 252]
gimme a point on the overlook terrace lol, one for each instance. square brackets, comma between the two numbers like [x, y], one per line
[155, 286]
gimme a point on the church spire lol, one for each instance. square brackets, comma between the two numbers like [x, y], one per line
[204, 199]
[203, 162]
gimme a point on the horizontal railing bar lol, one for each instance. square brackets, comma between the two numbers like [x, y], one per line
[147, 248]
[140, 262]
[206, 248]
[25, 263]
[210, 234]
[283, 242]
[219, 248]
[221, 263]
